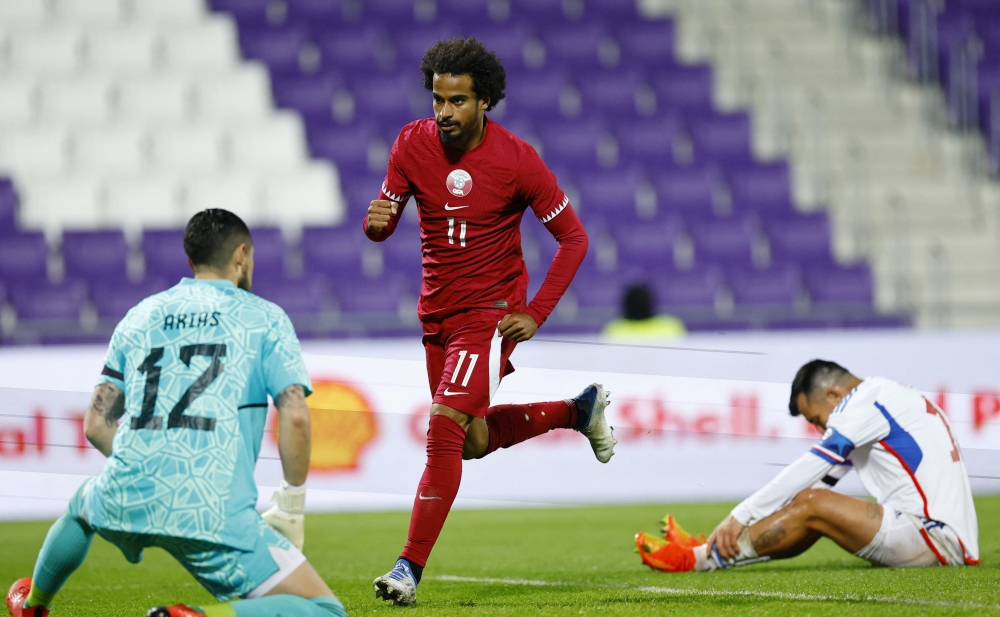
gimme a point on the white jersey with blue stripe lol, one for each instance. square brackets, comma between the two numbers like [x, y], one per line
[196, 363]
[904, 452]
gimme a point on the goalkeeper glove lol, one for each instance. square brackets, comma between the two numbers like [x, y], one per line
[287, 516]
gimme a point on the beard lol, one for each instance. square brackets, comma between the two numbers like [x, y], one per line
[244, 282]
[452, 137]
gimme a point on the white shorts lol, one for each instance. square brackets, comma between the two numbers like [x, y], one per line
[908, 540]
[288, 559]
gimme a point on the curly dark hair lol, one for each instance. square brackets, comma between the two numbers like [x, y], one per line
[461, 56]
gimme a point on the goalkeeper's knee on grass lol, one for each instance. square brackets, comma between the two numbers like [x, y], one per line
[278, 606]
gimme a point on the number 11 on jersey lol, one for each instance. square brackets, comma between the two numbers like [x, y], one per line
[451, 231]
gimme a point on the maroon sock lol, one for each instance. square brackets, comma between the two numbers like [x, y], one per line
[512, 424]
[437, 488]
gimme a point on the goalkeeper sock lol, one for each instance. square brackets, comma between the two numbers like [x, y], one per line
[278, 606]
[65, 547]
[512, 424]
[437, 489]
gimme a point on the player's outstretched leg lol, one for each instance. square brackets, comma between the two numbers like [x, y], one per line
[508, 425]
[65, 547]
[302, 594]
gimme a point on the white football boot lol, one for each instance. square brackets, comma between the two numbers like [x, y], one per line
[590, 405]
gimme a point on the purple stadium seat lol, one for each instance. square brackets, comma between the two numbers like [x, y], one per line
[799, 239]
[598, 291]
[468, 12]
[95, 255]
[507, 42]
[24, 258]
[610, 93]
[413, 43]
[764, 187]
[649, 245]
[366, 296]
[572, 143]
[683, 87]
[277, 47]
[649, 142]
[723, 241]
[402, 254]
[42, 301]
[320, 15]
[540, 11]
[113, 299]
[310, 95]
[689, 191]
[333, 251]
[721, 137]
[248, 12]
[575, 46]
[393, 11]
[649, 45]
[388, 98]
[613, 11]
[268, 253]
[355, 49]
[610, 194]
[359, 191]
[308, 295]
[346, 145]
[778, 285]
[164, 254]
[844, 284]
[697, 287]
[8, 207]
[537, 95]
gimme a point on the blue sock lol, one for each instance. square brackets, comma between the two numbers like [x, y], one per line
[65, 548]
[288, 606]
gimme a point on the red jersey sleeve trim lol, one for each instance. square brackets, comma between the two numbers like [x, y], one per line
[397, 198]
[555, 212]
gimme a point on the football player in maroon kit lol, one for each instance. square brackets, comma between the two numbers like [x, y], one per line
[472, 181]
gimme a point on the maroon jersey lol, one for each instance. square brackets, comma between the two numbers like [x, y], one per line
[470, 206]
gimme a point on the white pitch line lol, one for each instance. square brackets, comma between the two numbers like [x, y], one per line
[723, 593]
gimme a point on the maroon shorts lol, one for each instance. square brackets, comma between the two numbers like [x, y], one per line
[466, 359]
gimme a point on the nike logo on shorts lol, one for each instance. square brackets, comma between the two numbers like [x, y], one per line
[449, 208]
[448, 392]
[421, 497]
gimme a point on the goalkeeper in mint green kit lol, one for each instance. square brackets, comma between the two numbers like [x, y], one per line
[179, 410]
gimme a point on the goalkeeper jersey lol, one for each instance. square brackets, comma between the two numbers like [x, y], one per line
[196, 363]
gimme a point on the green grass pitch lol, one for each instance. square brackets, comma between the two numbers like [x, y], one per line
[564, 561]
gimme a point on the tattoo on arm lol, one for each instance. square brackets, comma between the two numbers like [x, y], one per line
[770, 538]
[292, 395]
[109, 403]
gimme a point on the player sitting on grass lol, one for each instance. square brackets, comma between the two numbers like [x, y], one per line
[903, 450]
[188, 373]
[472, 181]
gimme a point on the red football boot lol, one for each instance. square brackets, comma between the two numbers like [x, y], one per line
[15, 600]
[673, 533]
[177, 610]
[662, 555]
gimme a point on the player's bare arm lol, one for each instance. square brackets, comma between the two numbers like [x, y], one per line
[379, 213]
[518, 327]
[294, 434]
[100, 422]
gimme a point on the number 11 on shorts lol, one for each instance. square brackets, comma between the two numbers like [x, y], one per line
[458, 369]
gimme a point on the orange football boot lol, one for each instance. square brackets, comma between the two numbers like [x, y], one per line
[664, 555]
[672, 532]
[177, 610]
[15, 600]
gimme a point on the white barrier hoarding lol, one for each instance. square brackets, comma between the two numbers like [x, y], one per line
[703, 419]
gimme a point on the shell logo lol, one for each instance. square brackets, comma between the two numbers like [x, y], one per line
[343, 424]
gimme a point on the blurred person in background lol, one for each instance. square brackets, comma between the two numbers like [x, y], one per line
[639, 318]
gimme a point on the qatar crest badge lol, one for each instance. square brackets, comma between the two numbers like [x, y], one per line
[459, 183]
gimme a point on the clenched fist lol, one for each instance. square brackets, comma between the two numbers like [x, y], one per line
[518, 327]
[379, 213]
